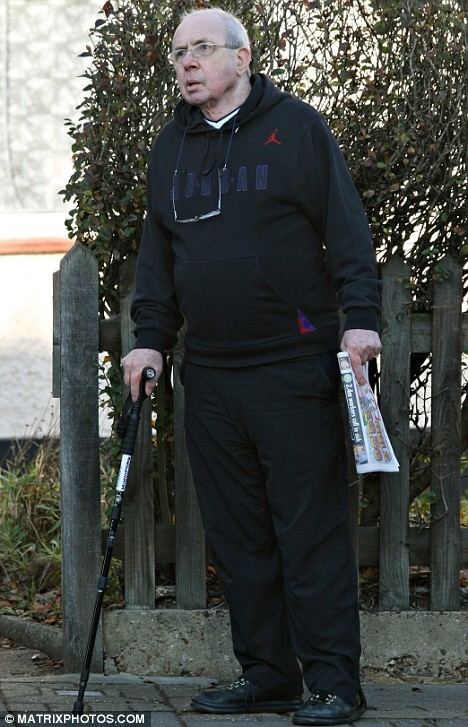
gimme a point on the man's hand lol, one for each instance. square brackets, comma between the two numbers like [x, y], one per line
[134, 363]
[362, 346]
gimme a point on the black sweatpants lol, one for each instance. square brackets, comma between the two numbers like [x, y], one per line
[266, 446]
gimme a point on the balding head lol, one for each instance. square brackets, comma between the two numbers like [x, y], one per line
[235, 34]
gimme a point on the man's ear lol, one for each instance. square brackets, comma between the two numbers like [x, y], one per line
[244, 58]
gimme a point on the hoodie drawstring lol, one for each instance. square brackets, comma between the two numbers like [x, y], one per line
[206, 171]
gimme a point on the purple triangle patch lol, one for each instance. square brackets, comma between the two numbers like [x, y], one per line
[305, 326]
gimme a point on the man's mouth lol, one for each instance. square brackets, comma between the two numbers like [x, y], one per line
[191, 84]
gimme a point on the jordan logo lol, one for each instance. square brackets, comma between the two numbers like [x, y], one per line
[273, 138]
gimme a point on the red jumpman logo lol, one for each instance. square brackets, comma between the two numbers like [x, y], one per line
[273, 138]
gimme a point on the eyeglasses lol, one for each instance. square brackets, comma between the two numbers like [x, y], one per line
[200, 50]
[222, 173]
[203, 216]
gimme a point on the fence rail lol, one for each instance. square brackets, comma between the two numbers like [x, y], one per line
[393, 545]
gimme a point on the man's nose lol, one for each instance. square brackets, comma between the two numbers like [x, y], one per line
[189, 59]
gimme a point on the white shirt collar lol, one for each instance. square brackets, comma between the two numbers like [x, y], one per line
[220, 123]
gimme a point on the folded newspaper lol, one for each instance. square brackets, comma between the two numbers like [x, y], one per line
[373, 451]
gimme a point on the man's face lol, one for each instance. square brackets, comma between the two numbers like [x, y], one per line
[205, 81]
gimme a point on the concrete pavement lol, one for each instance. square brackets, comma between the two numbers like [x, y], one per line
[168, 701]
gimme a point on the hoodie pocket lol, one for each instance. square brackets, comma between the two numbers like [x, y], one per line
[231, 303]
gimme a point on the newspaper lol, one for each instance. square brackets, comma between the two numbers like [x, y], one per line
[373, 451]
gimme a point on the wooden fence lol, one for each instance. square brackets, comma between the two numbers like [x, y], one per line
[393, 545]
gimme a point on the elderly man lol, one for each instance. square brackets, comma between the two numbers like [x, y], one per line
[256, 236]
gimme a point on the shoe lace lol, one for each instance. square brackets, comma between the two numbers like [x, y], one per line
[322, 697]
[241, 682]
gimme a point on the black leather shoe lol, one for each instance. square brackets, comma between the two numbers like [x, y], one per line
[324, 709]
[243, 697]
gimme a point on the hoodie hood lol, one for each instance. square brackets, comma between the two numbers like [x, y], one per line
[263, 96]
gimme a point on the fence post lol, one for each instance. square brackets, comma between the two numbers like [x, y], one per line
[395, 402]
[446, 432]
[138, 507]
[79, 452]
[190, 536]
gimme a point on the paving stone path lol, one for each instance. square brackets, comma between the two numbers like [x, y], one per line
[168, 700]
[28, 684]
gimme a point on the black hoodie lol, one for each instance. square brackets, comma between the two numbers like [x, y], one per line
[262, 280]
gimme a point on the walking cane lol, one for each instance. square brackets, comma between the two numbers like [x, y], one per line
[127, 429]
